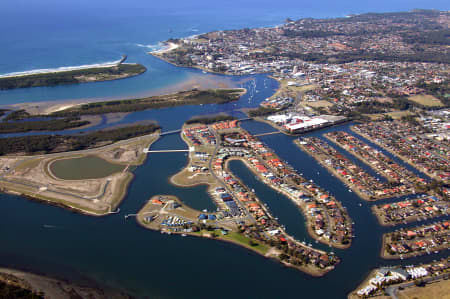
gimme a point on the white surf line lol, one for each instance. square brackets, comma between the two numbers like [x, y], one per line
[61, 69]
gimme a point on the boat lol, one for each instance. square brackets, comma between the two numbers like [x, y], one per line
[183, 235]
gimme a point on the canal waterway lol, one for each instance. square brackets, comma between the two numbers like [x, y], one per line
[121, 254]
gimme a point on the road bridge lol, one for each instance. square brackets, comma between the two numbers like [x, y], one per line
[147, 151]
[170, 132]
[268, 133]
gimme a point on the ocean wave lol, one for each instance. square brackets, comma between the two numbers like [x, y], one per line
[60, 69]
[152, 47]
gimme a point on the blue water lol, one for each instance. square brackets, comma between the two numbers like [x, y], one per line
[51, 33]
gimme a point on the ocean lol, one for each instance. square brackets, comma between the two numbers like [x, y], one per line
[50, 34]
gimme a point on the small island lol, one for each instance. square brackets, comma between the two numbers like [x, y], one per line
[72, 75]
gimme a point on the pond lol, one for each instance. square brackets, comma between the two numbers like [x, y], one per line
[83, 168]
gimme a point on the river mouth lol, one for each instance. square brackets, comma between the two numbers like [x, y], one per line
[83, 168]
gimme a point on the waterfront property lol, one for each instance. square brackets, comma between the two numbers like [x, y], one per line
[365, 185]
[410, 210]
[240, 212]
[378, 161]
[414, 241]
[399, 280]
[412, 143]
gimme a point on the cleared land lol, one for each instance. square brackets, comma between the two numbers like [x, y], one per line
[439, 289]
[426, 100]
[318, 104]
[394, 115]
[292, 90]
[31, 176]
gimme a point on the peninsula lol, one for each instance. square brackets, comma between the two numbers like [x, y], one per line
[241, 217]
[92, 181]
[72, 75]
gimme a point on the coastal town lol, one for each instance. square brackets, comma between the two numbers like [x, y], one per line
[416, 241]
[406, 281]
[362, 100]
[376, 68]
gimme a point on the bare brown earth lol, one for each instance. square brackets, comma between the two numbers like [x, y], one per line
[31, 176]
[439, 289]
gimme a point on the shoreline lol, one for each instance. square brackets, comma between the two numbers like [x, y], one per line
[309, 229]
[400, 256]
[169, 47]
[271, 253]
[123, 180]
[71, 75]
[49, 107]
[210, 186]
[52, 287]
[61, 69]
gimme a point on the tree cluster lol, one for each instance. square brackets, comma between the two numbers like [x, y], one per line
[35, 144]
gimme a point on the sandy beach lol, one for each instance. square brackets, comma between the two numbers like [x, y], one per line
[199, 81]
[169, 47]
